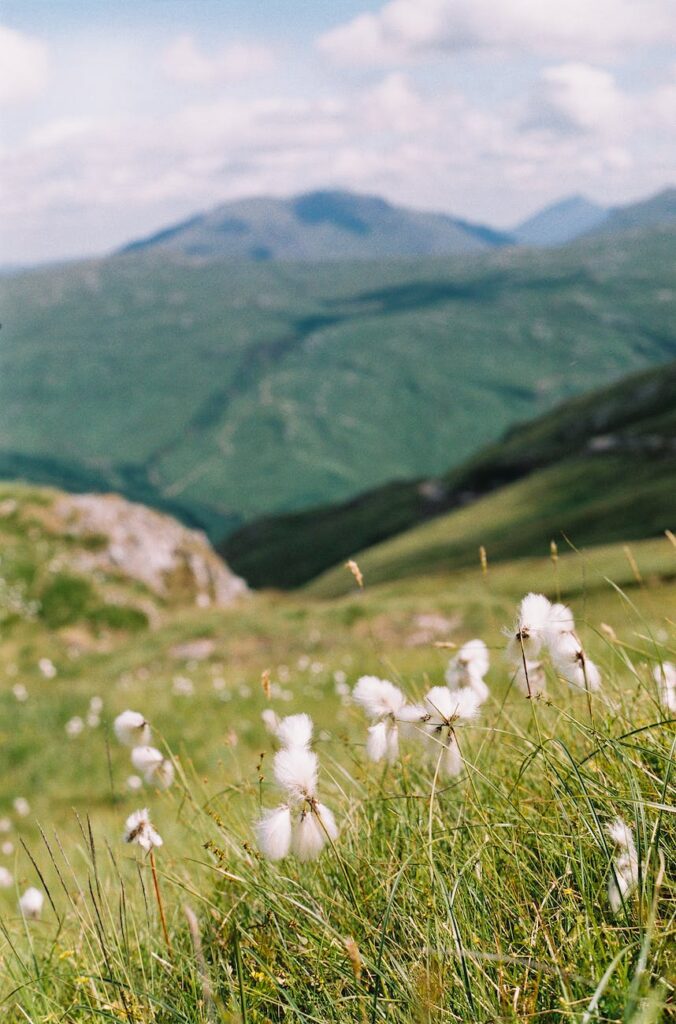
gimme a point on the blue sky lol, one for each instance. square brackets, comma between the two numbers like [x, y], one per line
[118, 118]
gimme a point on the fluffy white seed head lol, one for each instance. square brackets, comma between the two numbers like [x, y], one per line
[310, 834]
[665, 677]
[530, 628]
[273, 832]
[448, 706]
[624, 877]
[376, 741]
[31, 903]
[378, 697]
[451, 760]
[6, 880]
[139, 829]
[560, 620]
[144, 758]
[573, 665]
[271, 720]
[470, 663]
[327, 821]
[621, 834]
[295, 770]
[536, 677]
[132, 729]
[295, 731]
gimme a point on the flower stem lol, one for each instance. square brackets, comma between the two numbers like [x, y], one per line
[160, 906]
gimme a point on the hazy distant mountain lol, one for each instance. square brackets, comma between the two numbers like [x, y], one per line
[657, 211]
[319, 226]
[560, 223]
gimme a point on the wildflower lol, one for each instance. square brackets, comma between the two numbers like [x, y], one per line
[532, 675]
[559, 621]
[530, 628]
[157, 770]
[571, 662]
[93, 720]
[74, 726]
[273, 832]
[132, 729]
[295, 731]
[134, 783]
[5, 825]
[271, 720]
[300, 823]
[442, 711]
[6, 879]
[138, 829]
[30, 903]
[382, 702]
[665, 677]
[20, 692]
[47, 668]
[624, 878]
[468, 668]
[21, 806]
[7, 848]
[96, 705]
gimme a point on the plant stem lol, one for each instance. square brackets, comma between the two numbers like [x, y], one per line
[160, 907]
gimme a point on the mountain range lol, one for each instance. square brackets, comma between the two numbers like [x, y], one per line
[334, 225]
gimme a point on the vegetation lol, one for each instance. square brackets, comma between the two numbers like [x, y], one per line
[225, 391]
[482, 897]
[610, 460]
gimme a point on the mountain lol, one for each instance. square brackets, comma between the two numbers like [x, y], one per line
[560, 223]
[598, 468]
[606, 472]
[224, 391]
[655, 212]
[318, 226]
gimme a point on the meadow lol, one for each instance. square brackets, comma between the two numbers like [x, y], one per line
[480, 897]
[256, 388]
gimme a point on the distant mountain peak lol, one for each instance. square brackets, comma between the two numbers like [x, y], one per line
[325, 224]
[561, 222]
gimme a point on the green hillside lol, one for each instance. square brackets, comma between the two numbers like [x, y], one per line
[229, 390]
[647, 213]
[616, 445]
[318, 226]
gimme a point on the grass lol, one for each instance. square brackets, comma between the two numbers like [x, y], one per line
[621, 488]
[483, 898]
[228, 391]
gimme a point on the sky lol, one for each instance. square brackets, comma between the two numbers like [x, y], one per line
[117, 119]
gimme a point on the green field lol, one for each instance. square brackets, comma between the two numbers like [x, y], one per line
[597, 468]
[223, 391]
[479, 898]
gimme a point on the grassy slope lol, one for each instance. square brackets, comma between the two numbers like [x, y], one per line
[532, 916]
[628, 485]
[228, 391]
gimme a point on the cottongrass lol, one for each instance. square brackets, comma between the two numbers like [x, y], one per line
[31, 903]
[383, 702]
[131, 729]
[624, 877]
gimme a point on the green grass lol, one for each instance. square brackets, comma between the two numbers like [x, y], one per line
[482, 899]
[623, 489]
[227, 391]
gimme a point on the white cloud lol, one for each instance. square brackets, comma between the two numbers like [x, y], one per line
[23, 67]
[572, 98]
[184, 62]
[406, 29]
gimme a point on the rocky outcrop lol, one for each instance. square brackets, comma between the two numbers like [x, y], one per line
[138, 542]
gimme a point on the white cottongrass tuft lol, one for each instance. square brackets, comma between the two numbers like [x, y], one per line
[560, 620]
[443, 710]
[271, 720]
[571, 662]
[532, 675]
[157, 770]
[665, 677]
[47, 668]
[273, 832]
[134, 783]
[31, 903]
[301, 824]
[6, 880]
[139, 829]
[468, 668]
[530, 628]
[383, 702]
[295, 731]
[74, 726]
[132, 729]
[624, 878]
[295, 770]
[21, 806]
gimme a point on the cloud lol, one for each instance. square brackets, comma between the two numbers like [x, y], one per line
[575, 98]
[184, 62]
[23, 67]
[404, 30]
